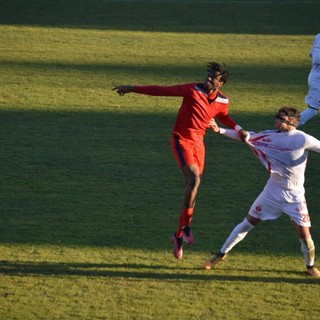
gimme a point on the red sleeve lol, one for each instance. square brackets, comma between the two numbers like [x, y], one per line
[226, 120]
[181, 90]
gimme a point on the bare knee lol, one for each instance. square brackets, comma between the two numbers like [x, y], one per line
[192, 177]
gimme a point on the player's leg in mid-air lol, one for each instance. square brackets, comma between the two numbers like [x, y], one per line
[190, 158]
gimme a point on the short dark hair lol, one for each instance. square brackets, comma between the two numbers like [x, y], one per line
[291, 113]
[217, 68]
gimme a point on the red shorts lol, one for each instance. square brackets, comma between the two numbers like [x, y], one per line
[188, 153]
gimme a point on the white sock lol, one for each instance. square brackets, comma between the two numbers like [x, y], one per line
[308, 250]
[306, 115]
[237, 235]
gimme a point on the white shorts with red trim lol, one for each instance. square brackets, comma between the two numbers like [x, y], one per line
[271, 204]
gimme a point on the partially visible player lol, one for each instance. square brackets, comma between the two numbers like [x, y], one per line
[312, 99]
[284, 153]
[201, 102]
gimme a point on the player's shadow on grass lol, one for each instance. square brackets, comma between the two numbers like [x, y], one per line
[74, 178]
[136, 272]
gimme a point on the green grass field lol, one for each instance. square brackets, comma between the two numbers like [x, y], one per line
[90, 193]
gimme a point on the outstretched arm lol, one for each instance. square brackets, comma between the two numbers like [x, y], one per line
[123, 89]
[234, 134]
[160, 91]
[227, 132]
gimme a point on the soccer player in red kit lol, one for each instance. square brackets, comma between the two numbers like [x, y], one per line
[201, 102]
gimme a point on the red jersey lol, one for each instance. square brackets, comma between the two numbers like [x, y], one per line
[197, 108]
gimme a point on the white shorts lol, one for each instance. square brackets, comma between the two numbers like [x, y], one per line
[313, 98]
[268, 207]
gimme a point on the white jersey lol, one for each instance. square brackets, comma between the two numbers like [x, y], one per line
[283, 154]
[313, 96]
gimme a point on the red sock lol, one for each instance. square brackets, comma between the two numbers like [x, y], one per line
[184, 220]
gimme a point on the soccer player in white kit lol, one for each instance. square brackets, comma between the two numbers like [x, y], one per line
[284, 153]
[312, 99]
